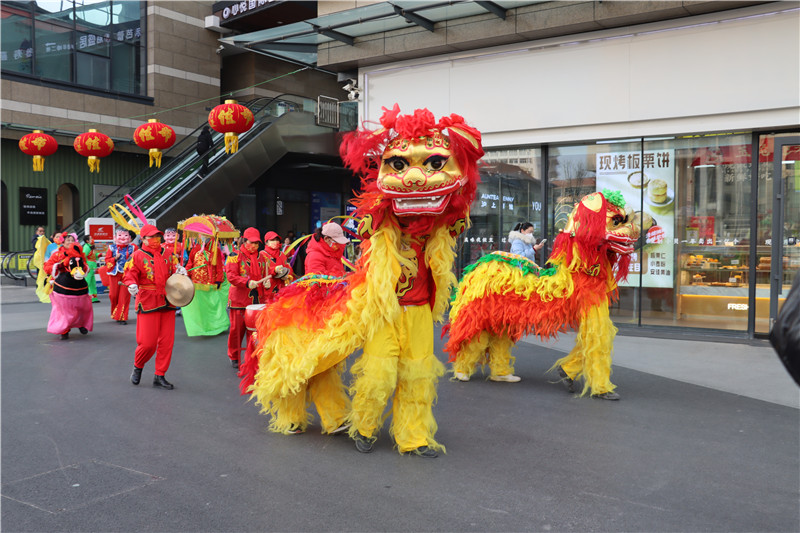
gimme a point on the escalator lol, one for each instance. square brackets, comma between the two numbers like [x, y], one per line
[282, 125]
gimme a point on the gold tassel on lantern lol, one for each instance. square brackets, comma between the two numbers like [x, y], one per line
[155, 156]
[94, 163]
[231, 142]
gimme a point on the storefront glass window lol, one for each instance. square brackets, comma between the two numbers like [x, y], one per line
[92, 44]
[711, 238]
[510, 192]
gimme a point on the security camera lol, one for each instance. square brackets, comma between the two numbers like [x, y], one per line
[351, 86]
[353, 95]
[220, 48]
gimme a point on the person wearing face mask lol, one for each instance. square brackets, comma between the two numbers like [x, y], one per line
[325, 250]
[523, 242]
[117, 255]
[278, 266]
[146, 278]
[247, 274]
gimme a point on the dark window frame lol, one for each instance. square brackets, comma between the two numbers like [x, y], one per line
[72, 84]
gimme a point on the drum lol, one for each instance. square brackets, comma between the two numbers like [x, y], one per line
[251, 314]
[180, 290]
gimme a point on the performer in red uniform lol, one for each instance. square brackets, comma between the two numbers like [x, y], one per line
[247, 273]
[116, 256]
[278, 266]
[146, 278]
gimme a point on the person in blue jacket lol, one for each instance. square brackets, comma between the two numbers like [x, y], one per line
[523, 242]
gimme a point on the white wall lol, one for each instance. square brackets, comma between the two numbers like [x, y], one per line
[693, 75]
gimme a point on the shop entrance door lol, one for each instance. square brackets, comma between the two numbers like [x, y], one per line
[785, 221]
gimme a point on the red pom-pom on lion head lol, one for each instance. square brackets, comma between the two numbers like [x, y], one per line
[415, 167]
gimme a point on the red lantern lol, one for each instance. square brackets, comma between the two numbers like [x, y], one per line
[39, 145]
[93, 145]
[155, 137]
[231, 119]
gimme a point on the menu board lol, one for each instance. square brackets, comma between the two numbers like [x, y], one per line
[647, 181]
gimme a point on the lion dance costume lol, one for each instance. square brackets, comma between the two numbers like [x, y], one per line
[419, 178]
[504, 296]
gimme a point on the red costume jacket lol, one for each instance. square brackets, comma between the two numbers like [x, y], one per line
[204, 272]
[56, 257]
[241, 268]
[324, 259]
[176, 247]
[275, 258]
[149, 270]
[415, 286]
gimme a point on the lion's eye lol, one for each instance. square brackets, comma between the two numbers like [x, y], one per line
[436, 162]
[619, 219]
[398, 163]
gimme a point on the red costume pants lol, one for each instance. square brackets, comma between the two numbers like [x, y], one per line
[155, 334]
[120, 298]
[236, 334]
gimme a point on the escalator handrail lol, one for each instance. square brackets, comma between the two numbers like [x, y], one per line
[264, 101]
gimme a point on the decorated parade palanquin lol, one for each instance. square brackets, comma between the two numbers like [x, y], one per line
[204, 238]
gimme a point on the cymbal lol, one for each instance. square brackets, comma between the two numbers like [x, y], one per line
[180, 290]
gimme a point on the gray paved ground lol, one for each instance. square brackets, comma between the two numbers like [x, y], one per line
[84, 450]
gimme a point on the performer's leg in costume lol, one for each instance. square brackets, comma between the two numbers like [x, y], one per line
[590, 359]
[91, 281]
[413, 424]
[289, 415]
[120, 312]
[501, 363]
[471, 355]
[166, 340]
[375, 377]
[327, 392]
[147, 332]
[114, 290]
[236, 334]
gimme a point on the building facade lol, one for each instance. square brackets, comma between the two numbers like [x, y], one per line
[69, 66]
[691, 109]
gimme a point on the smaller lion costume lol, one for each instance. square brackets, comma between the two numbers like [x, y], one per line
[504, 296]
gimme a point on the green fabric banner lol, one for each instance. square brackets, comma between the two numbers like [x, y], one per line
[207, 314]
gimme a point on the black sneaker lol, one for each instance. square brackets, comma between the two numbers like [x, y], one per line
[83, 331]
[234, 363]
[610, 395]
[364, 444]
[424, 451]
[565, 380]
[296, 430]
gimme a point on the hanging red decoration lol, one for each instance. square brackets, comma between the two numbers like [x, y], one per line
[154, 136]
[39, 145]
[231, 119]
[93, 145]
